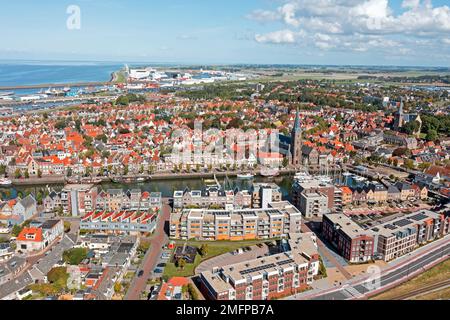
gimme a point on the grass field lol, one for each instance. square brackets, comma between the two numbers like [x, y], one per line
[437, 295]
[438, 273]
[214, 249]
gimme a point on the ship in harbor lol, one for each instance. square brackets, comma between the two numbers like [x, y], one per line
[5, 182]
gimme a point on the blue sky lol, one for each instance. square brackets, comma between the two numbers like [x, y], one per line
[375, 32]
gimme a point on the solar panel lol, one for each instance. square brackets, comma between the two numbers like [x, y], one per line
[256, 269]
[390, 226]
[403, 222]
[282, 263]
[419, 217]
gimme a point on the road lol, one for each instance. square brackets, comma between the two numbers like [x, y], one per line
[326, 253]
[157, 241]
[391, 278]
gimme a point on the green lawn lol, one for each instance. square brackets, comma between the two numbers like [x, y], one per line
[214, 249]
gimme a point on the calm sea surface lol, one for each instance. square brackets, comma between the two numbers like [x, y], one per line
[43, 73]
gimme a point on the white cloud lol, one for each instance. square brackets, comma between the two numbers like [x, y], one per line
[356, 24]
[282, 36]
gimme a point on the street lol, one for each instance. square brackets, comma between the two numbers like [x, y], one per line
[157, 241]
[388, 278]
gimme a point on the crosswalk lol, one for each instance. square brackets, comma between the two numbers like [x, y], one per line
[352, 293]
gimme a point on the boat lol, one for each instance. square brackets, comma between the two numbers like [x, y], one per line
[245, 176]
[5, 182]
[269, 172]
[6, 93]
[347, 174]
[359, 178]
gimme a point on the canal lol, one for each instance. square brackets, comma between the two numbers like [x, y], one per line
[166, 187]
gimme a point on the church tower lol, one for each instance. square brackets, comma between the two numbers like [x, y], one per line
[296, 142]
[399, 117]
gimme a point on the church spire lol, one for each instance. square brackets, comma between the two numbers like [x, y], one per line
[297, 125]
[400, 110]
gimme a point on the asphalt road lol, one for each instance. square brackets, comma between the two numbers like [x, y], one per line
[359, 290]
[157, 241]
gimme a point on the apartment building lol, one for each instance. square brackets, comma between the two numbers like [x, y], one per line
[120, 221]
[117, 200]
[265, 193]
[259, 196]
[78, 199]
[279, 219]
[351, 241]
[211, 196]
[266, 278]
[313, 205]
[402, 235]
[311, 184]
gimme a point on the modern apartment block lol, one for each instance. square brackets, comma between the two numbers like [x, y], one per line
[313, 204]
[278, 220]
[135, 199]
[120, 222]
[211, 196]
[265, 193]
[402, 235]
[259, 196]
[78, 199]
[351, 241]
[266, 278]
[308, 184]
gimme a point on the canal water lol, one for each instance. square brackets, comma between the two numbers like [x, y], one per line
[166, 187]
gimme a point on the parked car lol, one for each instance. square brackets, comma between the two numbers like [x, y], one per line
[140, 273]
[158, 271]
[161, 265]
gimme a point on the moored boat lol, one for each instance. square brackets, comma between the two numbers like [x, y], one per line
[245, 176]
[5, 182]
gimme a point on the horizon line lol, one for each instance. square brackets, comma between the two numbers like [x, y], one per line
[196, 64]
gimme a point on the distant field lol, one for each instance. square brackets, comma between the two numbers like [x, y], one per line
[349, 76]
[437, 274]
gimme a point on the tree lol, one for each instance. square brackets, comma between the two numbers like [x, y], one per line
[58, 277]
[408, 164]
[411, 127]
[69, 172]
[117, 287]
[17, 174]
[285, 162]
[432, 135]
[181, 263]
[39, 173]
[192, 292]
[203, 250]
[27, 174]
[67, 226]
[16, 230]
